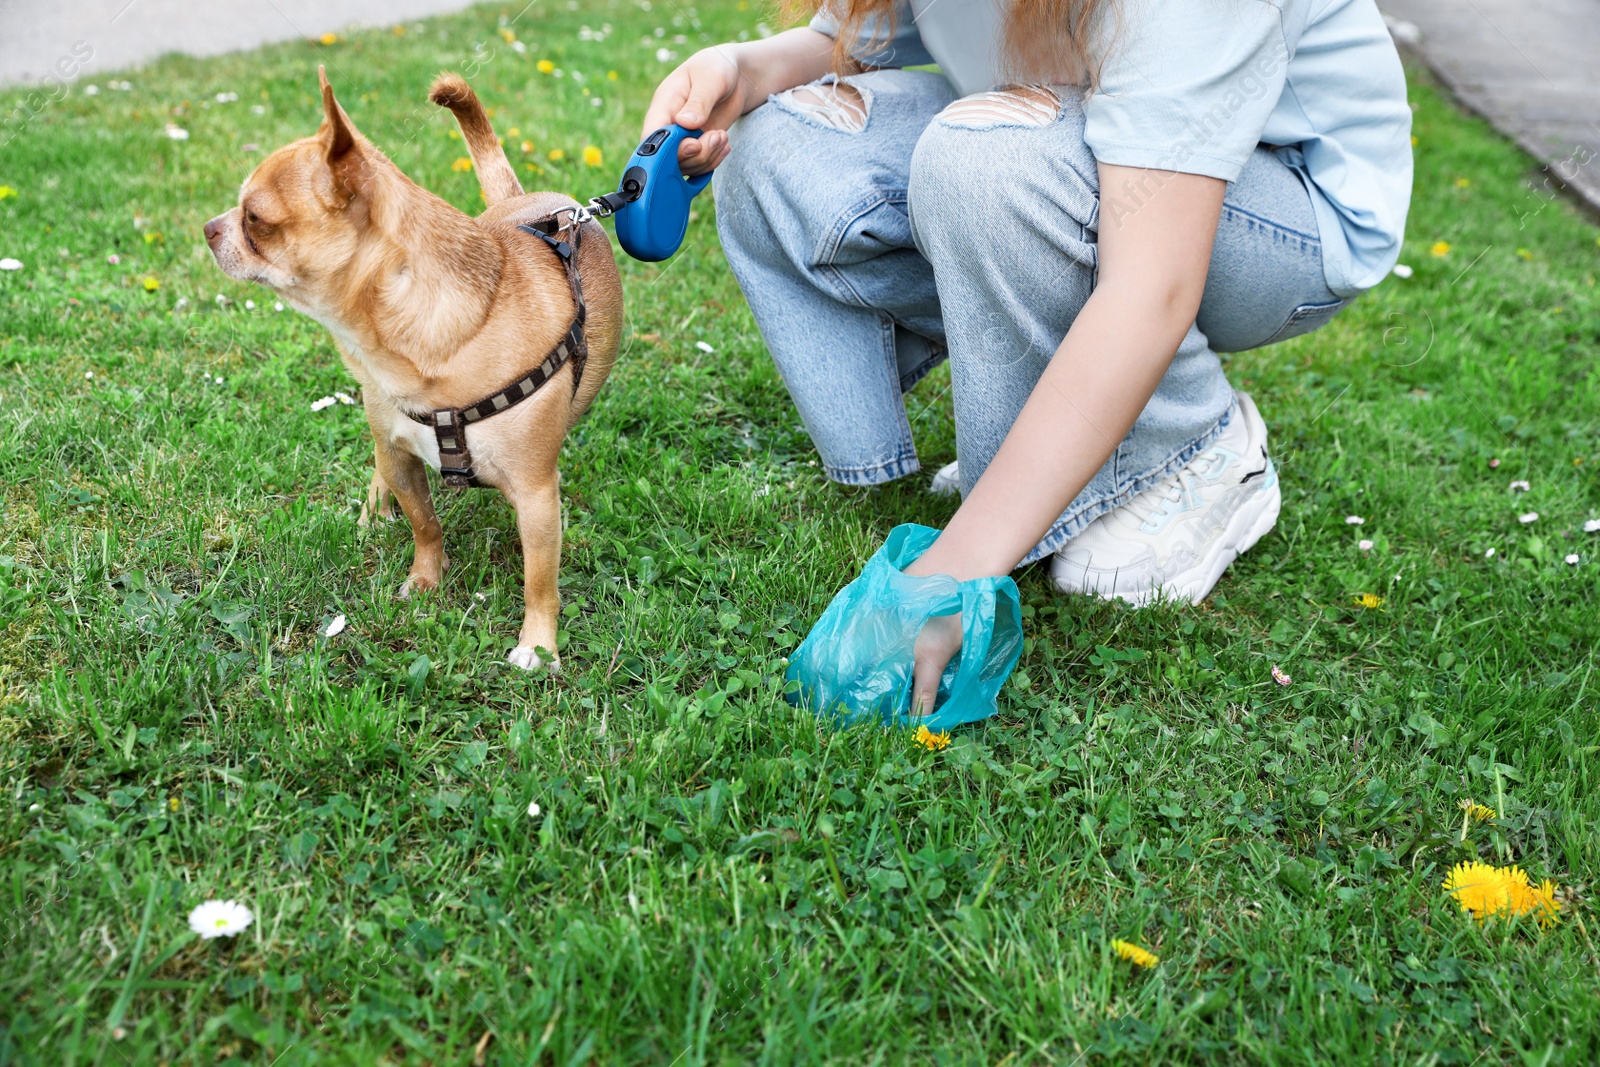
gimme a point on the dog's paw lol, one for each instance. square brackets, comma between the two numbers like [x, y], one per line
[530, 660]
[413, 584]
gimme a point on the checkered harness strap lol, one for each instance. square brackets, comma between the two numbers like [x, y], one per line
[450, 424]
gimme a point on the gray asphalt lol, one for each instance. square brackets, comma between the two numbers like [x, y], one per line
[1531, 67]
[37, 35]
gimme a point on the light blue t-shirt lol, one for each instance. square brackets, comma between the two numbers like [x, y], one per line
[1195, 85]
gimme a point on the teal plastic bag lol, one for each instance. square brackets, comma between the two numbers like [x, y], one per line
[856, 661]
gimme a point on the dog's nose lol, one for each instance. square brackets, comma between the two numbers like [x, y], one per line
[213, 229]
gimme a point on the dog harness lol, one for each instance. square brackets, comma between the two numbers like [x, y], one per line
[450, 424]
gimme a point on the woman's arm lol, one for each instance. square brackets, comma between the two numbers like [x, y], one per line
[718, 84]
[1152, 274]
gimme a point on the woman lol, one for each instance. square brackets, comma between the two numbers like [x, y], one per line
[1089, 202]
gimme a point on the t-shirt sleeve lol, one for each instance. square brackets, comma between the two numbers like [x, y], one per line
[1187, 86]
[901, 47]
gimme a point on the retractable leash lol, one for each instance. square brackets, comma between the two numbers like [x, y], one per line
[651, 205]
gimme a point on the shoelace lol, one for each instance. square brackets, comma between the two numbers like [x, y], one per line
[1160, 498]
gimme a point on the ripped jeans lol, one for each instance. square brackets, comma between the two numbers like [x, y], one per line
[876, 222]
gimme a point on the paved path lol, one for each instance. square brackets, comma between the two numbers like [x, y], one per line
[1531, 67]
[36, 34]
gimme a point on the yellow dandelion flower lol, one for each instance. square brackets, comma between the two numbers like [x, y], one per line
[1523, 253]
[399, 31]
[1370, 601]
[1483, 890]
[1480, 888]
[1478, 812]
[534, 168]
[6, 191]
[329, 38]
[1540, 899]
[151, 285]
[591, 156]
[1141, 957]
[556, 155]
[1413, 140]
[1462, 183]
[1440, 248]
[612, 75]
[454, 135]
[527, 146]
[463, 164]
[544, 66]
[931, 741]
[506, 35]
[174, 803]
[514, 133]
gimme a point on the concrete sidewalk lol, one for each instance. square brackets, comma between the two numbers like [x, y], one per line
[1531, 67]
[36, 35]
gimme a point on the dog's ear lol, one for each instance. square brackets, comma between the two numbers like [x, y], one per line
[338, 139]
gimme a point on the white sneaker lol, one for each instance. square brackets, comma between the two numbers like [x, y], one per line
[948, 481]
[1173, 541]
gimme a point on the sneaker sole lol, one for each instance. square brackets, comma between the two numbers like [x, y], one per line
[1253, 521]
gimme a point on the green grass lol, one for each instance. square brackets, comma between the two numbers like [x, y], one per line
[715, 877]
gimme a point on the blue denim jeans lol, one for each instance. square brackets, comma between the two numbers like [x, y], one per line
[873, 239]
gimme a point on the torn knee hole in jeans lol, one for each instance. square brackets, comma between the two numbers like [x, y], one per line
[1010, 105]
[835, 104]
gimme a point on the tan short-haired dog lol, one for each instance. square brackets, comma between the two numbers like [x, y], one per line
[477, 343]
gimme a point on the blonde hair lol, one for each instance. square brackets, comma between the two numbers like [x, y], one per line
[1043, 41]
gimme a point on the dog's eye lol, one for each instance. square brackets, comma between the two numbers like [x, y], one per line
[251, 218]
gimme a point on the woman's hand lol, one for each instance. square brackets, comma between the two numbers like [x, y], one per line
[937, 644]
[706, 92]
[718, 84]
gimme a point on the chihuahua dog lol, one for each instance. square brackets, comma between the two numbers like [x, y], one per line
[432, 309]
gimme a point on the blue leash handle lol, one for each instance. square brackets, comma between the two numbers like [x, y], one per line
[651, 223]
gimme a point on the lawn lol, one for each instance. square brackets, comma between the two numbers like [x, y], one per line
[714, 876]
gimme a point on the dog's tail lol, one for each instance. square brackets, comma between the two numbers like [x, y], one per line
[495, 175]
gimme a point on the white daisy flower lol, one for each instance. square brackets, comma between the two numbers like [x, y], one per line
[1572, 559]
[220, 918]
[533, 809]
[518, 47]
[335, 626]
[1364, 545]
[1519, 486]
[249, 305]
[1489, 554]
[182, 303]
[1592, 526]
[257, 109]
[702, 346]
[1402, 271]
[325, 402]
[1527, 517]
[1353, 520]
[176, 133]
[91, 90]
[88, 375]
[10, 264]
[344, 398]
[665, 55]
[278, 306]
[226, 98]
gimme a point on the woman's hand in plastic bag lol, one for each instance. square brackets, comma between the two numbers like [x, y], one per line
[937, 644]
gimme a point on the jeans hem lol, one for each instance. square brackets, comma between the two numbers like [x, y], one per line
[1077, 520]
[877, 475]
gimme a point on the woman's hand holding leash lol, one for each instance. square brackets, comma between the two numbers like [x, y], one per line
[718, 84]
